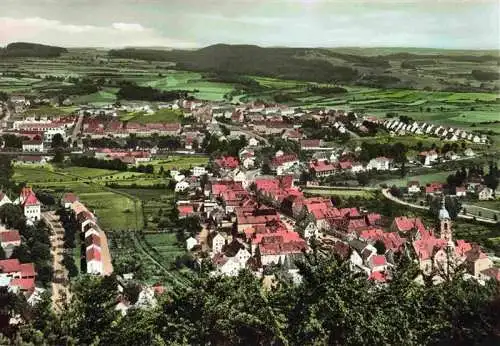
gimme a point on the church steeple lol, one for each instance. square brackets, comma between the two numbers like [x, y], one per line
[445, 222]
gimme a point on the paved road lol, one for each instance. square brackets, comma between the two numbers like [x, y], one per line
[60, 281]
[388, 195]
[77, 128]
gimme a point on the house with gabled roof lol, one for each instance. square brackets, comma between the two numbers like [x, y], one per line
[4, 199]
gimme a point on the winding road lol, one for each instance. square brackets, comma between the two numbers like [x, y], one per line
[387, 194]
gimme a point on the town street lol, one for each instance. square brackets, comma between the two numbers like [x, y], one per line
[60, 281]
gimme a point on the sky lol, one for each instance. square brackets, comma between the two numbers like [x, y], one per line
[454, 24]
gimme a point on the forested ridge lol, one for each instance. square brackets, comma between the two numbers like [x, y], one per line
[25, 49]
[331, 306]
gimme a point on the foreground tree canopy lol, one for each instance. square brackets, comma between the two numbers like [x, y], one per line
[331, 306]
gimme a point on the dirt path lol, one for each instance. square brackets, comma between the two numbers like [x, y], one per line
[60, 281]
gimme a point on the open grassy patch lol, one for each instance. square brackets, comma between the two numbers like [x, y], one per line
[179, 162]
[422, 179]
[340, 192]
[160, 116]
[166, 245]
[114, 211]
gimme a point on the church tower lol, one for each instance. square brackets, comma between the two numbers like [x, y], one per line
[445, 223]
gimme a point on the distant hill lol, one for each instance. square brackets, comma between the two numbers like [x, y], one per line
[24, 49]
[289, 63]
[385, 68]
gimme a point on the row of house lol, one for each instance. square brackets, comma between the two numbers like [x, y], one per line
[399, 127]
[97, 255]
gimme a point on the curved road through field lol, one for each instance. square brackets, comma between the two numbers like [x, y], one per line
[387, 194]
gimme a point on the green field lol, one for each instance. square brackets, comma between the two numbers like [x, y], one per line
[179, 162]
[340, 192]
[422, 179]
[114, 211]
[102, 97]
[193, 82]
[489, 204]
[85, 172]
[166, 245]
[160, 116]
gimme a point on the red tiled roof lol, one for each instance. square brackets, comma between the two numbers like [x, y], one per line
[93, 254]
[351, 212]
[185, 210]
[378, 260]
[27, 284]
[227, 162]
[93, 239]
[31, 200]
[373, 218]
[493, 273]
[280, 160]
[27, 270]
[322, 166]
[405, 224]
[10, 236]
[10, 265]
[345, 164]
[425, 247]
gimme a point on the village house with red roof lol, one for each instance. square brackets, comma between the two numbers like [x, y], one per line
[323, 168]
[30, 204]
[9, 239]
[283, 162]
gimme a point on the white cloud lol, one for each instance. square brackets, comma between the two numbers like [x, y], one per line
[48, 31]
[128, 26]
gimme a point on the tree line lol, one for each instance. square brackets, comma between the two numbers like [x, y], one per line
[330, 306]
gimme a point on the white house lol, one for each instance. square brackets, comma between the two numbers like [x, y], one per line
[240, 176]
[217, 243]
[191, 242]
[469, 152]
[249, 162]
[485, 193]
[252, 142]
[380, 163]
[198, 171]
[4, 199]
[311, 231]
[181, 186]
[429, 157]
[357, 167]
[242, 257]
[35, 145]
[414, 187]
[31, 205]
[94, 262]
[49, 134]
[230, 267]
[461, 191]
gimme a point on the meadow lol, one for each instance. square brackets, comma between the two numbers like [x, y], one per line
[114, 211]
[423, 179]
[340, 192]
[179, 162]
[160, 116]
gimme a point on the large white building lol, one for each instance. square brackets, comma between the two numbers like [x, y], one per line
[379, 163]
[34, 145]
